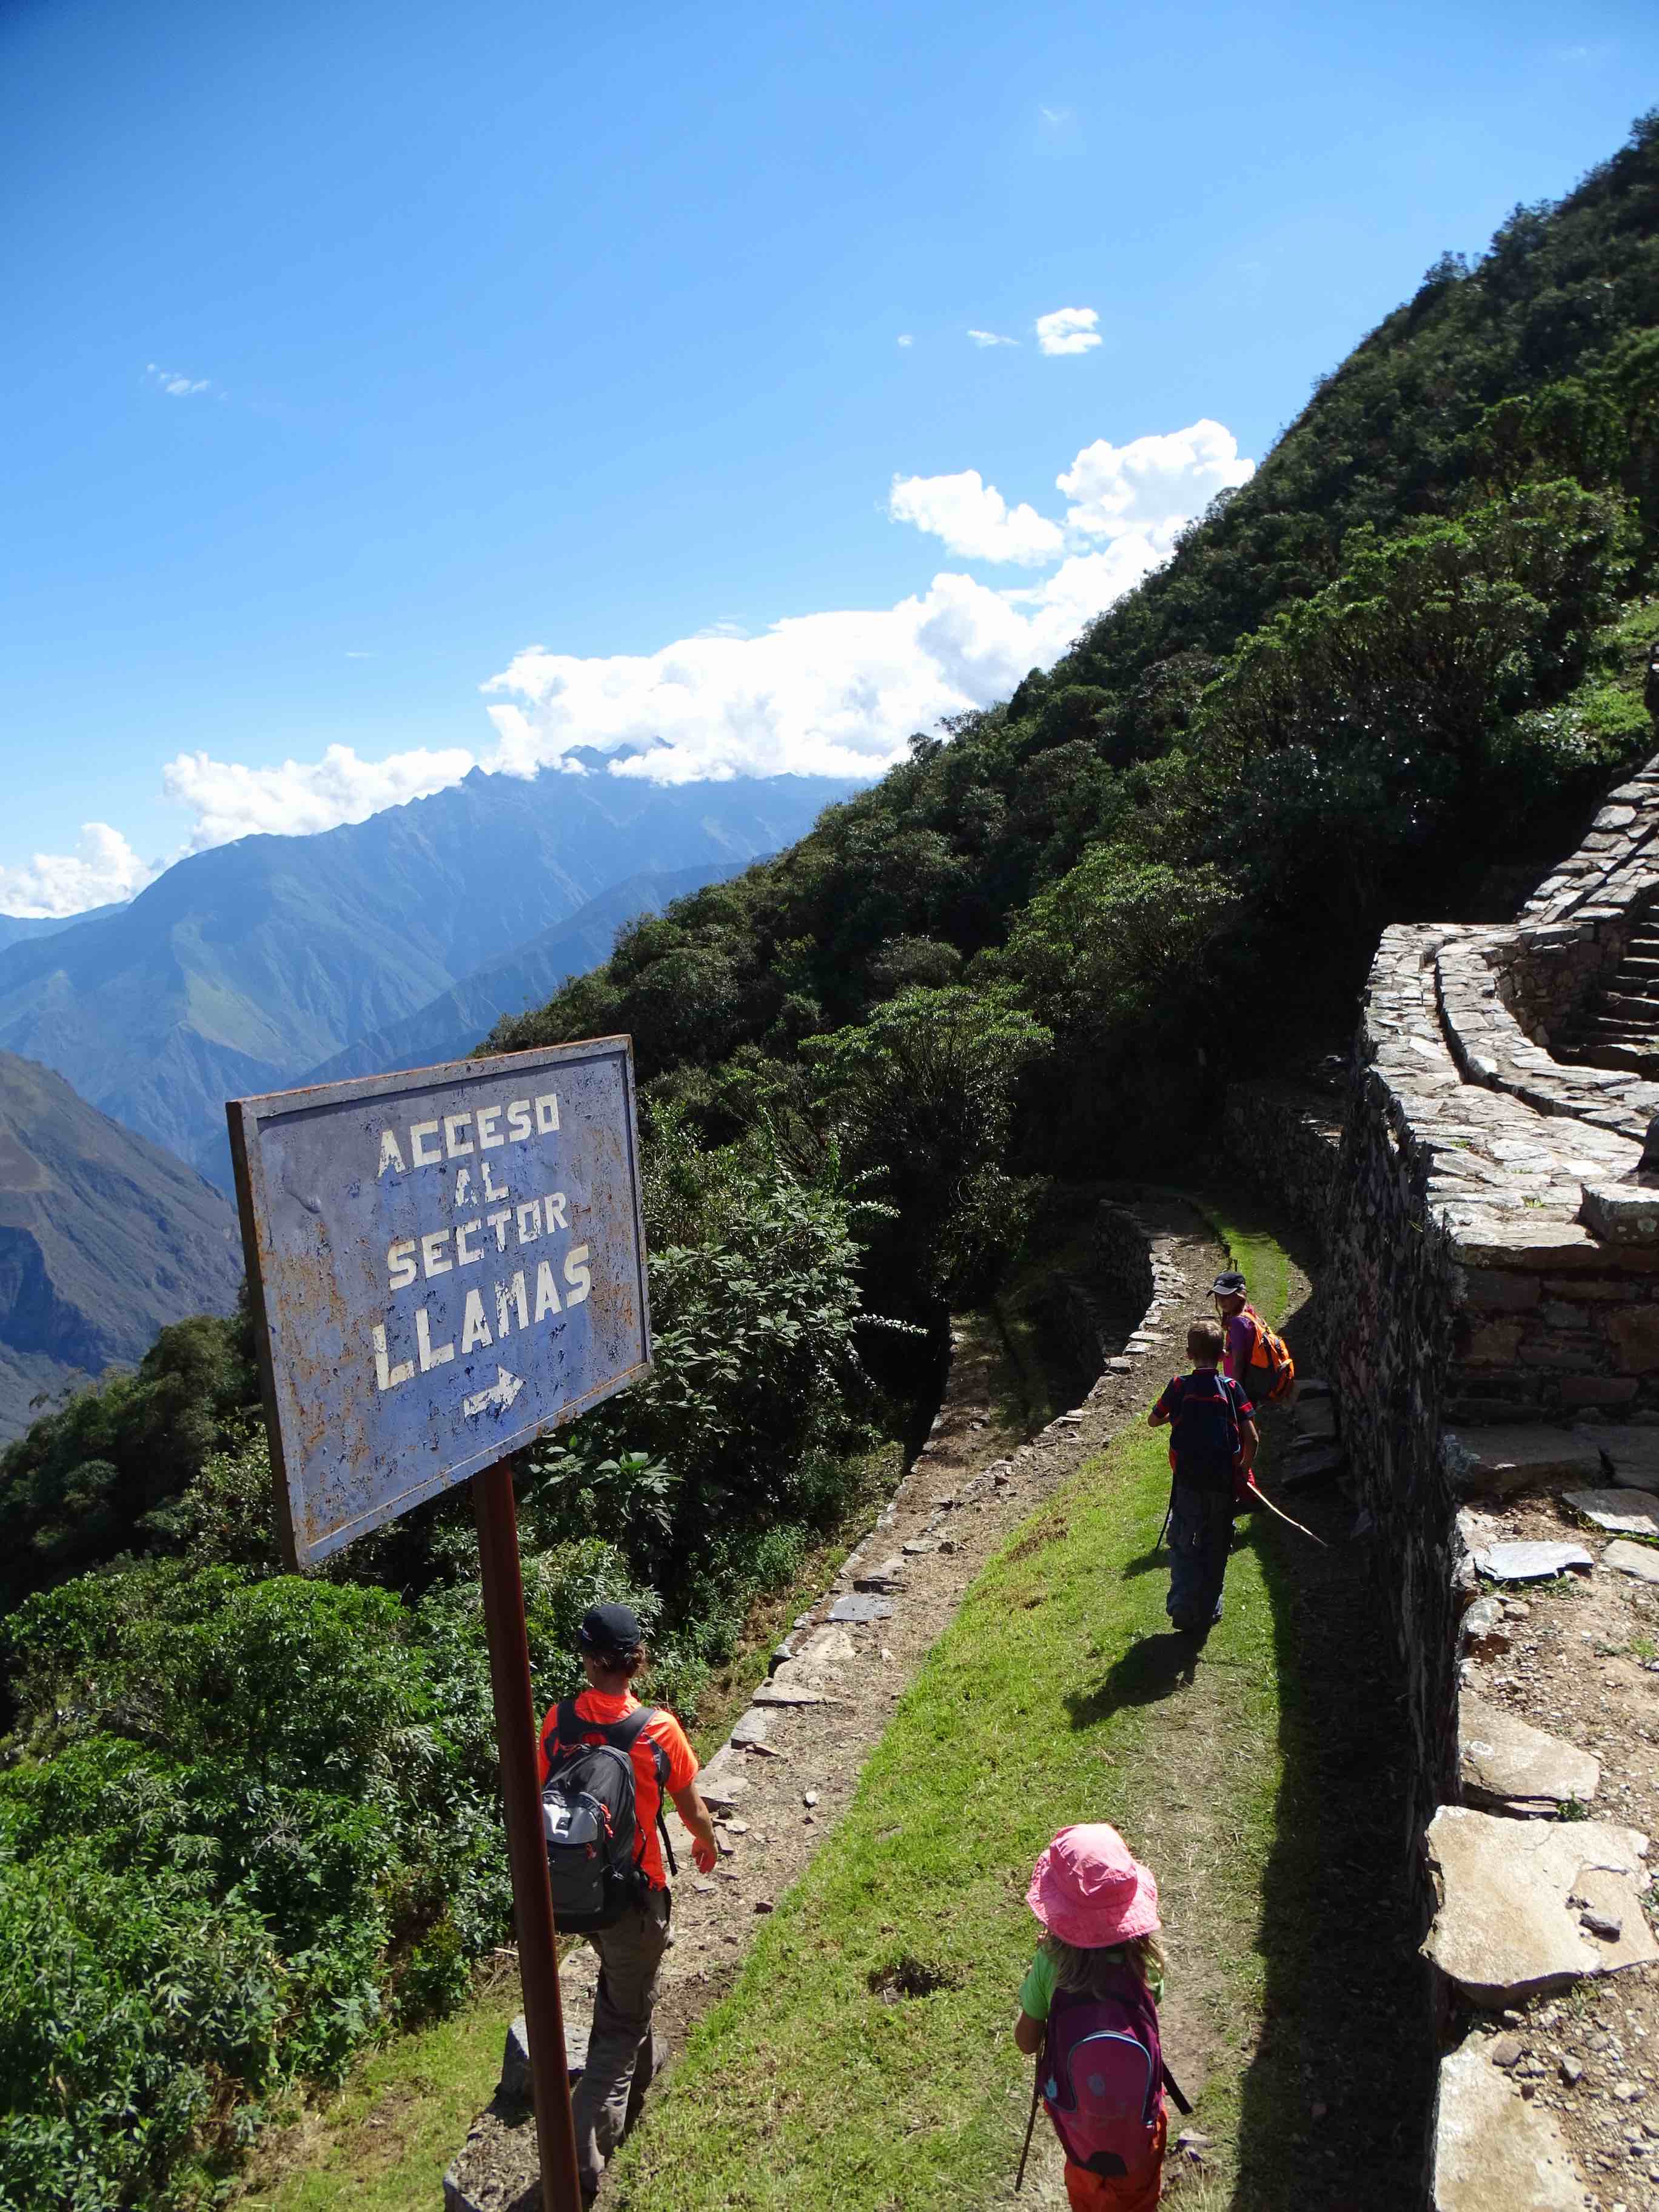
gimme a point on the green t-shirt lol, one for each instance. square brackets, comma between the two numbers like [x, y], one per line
[1036, 1991]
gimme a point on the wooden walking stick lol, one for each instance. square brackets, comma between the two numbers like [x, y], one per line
[1262, 1499]
[1036, 2092]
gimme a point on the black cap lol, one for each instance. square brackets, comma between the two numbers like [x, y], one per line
[609, 1628]
[1230, 1285]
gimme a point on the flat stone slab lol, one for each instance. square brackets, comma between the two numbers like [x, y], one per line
[1640, 1561]
[1621, 1213]
[718, 1788]
[1531, 1563]
[1494, 2152]
[1621, 1512]
[754, 1727]
[1316, 1417]
[1633, 1452]
[861, 1609]
[1322, 1464]
[1506, 1459]
[1512, 1893]
[889, 1576]
[1508, 1767]
[783, 1689]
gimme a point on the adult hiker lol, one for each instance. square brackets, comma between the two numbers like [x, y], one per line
[1257, 1360]
[1089, 2005]
[607, 1762]
[1212, 1441]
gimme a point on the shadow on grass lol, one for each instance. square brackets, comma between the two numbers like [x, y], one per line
[1149, 1670]
[1345, 2004]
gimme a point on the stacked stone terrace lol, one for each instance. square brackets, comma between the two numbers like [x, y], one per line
[1528, 1168]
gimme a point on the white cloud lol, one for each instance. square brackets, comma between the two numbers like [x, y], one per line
[905, 339]
[1067, 330]
[176, 386]
[836, 693]
[1152, 485]
[102, 869]
[991, 338]
[974, 518]
[229, 800]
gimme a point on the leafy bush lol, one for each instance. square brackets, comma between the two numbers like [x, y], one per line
[756, 1303]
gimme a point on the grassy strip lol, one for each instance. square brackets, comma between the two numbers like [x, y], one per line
[1044, 1702]
[383, 2143]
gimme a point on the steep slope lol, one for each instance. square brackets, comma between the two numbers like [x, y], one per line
[104, 1239]
[243, 967]
[453, 1023]
[1388, 676]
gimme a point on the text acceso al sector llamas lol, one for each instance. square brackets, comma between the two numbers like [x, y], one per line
[501, 1223]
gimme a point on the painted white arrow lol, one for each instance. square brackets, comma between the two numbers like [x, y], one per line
[501, 1394]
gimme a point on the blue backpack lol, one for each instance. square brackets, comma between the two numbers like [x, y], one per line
[1203, 1435]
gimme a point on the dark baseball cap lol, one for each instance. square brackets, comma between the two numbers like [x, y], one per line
[609, 1628]
[1230, 1285]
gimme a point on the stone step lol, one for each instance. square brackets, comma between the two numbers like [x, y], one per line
[1502, 1459]
[1615, 1029]
[1630, 1007]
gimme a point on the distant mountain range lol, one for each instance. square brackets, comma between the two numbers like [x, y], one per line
[458, 1018]
[16, 927]
[248, 967]
[104, 1238]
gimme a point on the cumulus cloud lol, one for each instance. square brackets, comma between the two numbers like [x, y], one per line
[102, 869]
[905, 339]
[991, 338]
[974, 518]
[176, 386]
[1152, 485]
[837, 693]
[1067, 330]
[229, 800]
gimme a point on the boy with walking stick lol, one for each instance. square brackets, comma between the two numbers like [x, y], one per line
[1213, 1443]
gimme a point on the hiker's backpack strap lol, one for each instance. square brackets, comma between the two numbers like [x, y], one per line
[566, 1731]
[623, 1735]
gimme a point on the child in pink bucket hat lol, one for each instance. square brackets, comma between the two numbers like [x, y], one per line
[1089, 2004]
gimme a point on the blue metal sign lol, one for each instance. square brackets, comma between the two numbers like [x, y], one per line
[444, 1266]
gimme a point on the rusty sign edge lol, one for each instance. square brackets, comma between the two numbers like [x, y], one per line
[245, 1117]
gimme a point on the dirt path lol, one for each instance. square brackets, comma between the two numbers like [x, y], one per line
[1294, 1987]
[796, 1755]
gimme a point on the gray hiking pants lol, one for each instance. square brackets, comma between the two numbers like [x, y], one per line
[1201, 1535]
[619, 2047]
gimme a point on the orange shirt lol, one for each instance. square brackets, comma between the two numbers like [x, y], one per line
[662, 1729]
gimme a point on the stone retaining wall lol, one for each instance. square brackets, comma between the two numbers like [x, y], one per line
[1574, 929]
[1286, 1139]
[1123, 1256]
[1494, 1245]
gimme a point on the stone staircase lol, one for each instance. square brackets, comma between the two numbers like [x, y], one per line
[1619, 1027]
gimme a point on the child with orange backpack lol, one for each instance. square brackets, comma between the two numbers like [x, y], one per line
[1256, 1359]
[1089, 2007]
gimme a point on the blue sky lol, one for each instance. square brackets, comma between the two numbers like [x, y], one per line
[359, 354]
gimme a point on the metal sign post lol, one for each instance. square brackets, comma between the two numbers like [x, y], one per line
[444, 1266]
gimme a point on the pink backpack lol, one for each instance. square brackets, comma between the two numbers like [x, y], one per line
[1103, 2074]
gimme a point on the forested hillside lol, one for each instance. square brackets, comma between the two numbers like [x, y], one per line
[1378, 681]
[247, 1818]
